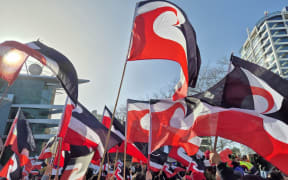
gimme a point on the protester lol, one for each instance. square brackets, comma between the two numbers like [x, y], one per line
[227, 173]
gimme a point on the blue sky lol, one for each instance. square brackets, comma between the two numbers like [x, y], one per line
[94, 35]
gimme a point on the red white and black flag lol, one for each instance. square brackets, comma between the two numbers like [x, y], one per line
[196, 166]
[13, 55]
[163, 31]
[248, 106]
[12, 169]
[85, 130]
[46, 151]
[255, 113]
[19, 140]
[77, 162]
[119, 129]
[60, 65]
[138, 121]
[170, 125]
[158, 159]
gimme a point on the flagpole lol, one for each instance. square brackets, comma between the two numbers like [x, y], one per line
[125, 146]
[59, 157]
[118, 94]
[116, 159]
[60, 139]
[150, 137]
[112, 119]
[216, 137]
[215, 144]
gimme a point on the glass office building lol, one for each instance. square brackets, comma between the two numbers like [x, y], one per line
[35, 95]
[267, 43]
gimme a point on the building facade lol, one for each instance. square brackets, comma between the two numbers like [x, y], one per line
[35, 95]
[267, 43]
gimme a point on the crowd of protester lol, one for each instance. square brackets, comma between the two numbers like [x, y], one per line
[234, 168]
[215, 169]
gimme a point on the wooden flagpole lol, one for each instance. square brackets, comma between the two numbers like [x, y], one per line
[116, 159]
[60, 139]
[215, 144]
[125, 156]
[150, 138]
[116, 103]
[125, 146]
[112, 119]
[216, 137]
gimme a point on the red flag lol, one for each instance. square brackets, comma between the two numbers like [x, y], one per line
[19, 140]
[138, 121]
[66, 118]
[170, 126]
[162, 31]
[12, 169]
[85, 130]
[47, 149]
[119, 130]
[76, 167]
[248, 106]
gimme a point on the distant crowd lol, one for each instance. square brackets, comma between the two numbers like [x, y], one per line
[210, 166]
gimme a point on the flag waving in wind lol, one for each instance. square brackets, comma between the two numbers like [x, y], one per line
[60, 65]
[162, 31]
[13, 55]
[250, 106]
[119, 130]
[20, 141]
[85, 130]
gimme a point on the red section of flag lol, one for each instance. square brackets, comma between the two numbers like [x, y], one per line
[106, 121]
[130, 150]
[225, 156]
[149, 45]
[163, 133]
[12, 57]
[136, 132]
[246, 129]
[4, 171]
[66, 118]
[79, 139]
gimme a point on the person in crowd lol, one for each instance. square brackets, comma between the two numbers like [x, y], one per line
[237, 168]
[226, 173]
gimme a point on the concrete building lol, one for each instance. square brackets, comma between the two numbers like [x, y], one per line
[35, 95]
[267, 43]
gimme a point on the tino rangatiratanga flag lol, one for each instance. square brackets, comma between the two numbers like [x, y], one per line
[163, 31]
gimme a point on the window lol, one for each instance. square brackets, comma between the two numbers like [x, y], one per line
[282, 55]
[278, 32]
[278, 17]
[266, 45]
[285, 72]
[281, 47]
[276, 24]
[283, 63]
[280, 39]
[264, 37]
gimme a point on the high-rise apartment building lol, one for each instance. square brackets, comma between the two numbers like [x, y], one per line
[267, 43]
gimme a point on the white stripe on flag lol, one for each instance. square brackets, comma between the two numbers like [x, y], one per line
[84, 130]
